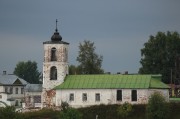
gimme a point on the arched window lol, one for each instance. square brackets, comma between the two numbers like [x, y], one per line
[53, 73]
[53, 54]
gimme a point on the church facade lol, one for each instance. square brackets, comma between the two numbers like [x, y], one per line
[85, 90]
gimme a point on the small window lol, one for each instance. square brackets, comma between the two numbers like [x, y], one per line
[11, 90]
[6, 89]
[37, 99]
[53, 73]
[97, 97]
[53, 54]
[71, 97]
[0, 96]
[22, 90]
[119, 95]
[134, 95]
[16, 103]
[84, 97]
[16, 90]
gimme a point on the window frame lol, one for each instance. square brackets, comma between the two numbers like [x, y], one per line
[53, 73]
[71, 97]
[6, 89]
[53, 54]
[17, 90]
[134, 95]
[97, 97]
[119, 95]
[22, 90]
[11, 90]
[84, 97]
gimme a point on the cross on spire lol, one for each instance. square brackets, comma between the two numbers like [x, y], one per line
[56, 25]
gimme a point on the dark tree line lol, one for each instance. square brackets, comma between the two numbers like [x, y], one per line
[159, 54]
[28, 71]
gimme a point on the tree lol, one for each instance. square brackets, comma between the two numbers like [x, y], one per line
[90, 62]
[159, 54]
[157, 108]
[28, 71]
[73, 70]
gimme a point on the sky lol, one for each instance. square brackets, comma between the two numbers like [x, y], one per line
[118, 28]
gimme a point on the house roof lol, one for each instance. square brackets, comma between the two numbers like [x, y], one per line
[112, 82]
[33, 88]
[10, 79]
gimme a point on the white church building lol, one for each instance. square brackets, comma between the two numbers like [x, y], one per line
[87, 90]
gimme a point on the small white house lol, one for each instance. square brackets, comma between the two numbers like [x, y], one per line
[11, 90]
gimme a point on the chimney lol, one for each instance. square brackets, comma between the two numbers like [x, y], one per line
[4, 72]
[108, 72]
[118, 72]
[126, 72]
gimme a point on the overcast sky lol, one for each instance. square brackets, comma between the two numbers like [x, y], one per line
[119, 28]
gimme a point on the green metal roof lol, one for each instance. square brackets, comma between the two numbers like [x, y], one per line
[112, 82]
[156, 83]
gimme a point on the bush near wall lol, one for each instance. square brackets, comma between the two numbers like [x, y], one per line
[41, 114]
[110, 112]
[103, 112]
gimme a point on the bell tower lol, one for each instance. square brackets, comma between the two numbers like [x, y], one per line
[55, 65]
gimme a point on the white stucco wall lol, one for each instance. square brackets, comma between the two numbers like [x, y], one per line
[107, 96]
[164, 92]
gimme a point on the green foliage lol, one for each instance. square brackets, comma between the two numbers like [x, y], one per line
[73, 70]
[64, 106]
[28, 71]
[90, 62]
[124, 110]
[103, 112]
[41, 114]
[70, 113]
[157, 107]
[159, 54]
[110, 112]
[8, 112]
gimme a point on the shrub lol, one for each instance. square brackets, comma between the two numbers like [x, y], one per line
[64, 106]
[124, 110]
[157, 108]
[44, 113]
[70, 113]
[8, 112]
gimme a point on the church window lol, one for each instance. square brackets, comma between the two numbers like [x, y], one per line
[134, 95]
[53, 54]
[71, 97]
[53, 73]
[97, 97]
[84, 97]
[119, 95]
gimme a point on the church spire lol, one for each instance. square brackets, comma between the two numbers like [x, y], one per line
[56, 36]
